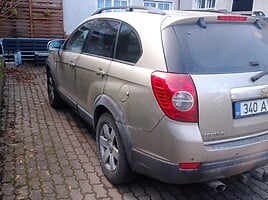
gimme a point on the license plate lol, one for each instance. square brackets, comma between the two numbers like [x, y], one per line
[250, 107]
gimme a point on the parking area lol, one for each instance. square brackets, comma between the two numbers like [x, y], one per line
[52, 154]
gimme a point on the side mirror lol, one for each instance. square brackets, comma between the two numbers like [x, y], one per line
[1, 48]
[54, 45]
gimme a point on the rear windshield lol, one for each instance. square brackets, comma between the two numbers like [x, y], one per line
[218, 48]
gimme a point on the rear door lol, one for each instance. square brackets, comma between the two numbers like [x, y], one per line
[93, 65]
[222, 58]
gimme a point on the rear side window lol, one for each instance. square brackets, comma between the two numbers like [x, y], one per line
[128, 45]
[218, 48]
[103, 38]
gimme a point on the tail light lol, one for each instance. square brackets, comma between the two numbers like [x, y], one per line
[189, 166]
[232, 18]
[176, 95]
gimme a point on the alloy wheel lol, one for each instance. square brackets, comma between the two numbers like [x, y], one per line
[109, 147]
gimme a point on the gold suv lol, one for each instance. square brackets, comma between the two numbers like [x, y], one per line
[181, 96]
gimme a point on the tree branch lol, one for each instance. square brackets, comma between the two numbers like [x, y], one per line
[8, 8]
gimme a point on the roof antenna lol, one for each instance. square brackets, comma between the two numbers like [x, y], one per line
[129, 9]
[258, 24]
[202, 23]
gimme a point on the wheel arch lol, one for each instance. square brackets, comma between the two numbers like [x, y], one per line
[104, 104]
[52, 69]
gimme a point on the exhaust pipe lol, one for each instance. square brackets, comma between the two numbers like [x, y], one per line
[216, 185]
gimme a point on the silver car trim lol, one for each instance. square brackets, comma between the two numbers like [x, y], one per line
[238, 142]
[260, 91]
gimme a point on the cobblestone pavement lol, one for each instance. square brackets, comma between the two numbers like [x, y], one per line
[52, 154]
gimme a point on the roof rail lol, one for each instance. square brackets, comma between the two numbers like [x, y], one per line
[151, 10]
[210, 10]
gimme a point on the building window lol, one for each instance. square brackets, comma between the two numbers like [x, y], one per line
[205, 3]
[120, 3]
[158, 4]
[242, 5]
[110, 3]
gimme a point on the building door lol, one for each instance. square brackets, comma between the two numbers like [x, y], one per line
[242, 5]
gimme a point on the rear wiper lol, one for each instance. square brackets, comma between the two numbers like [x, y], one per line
[259, 75]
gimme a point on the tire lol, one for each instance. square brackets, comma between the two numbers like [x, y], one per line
[53, 96]
[111, 151]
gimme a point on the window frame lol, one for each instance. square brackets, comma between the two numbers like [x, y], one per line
[158, 3]
[208, 4]
[89, 35]
[105, 4]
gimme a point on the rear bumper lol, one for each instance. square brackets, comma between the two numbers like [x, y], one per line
[158, 153]
[171, 173]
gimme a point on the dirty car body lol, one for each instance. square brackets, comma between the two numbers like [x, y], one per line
[180, 96]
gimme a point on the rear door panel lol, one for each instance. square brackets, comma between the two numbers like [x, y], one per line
[91, 73]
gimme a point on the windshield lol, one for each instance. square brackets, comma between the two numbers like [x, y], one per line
[218, 48]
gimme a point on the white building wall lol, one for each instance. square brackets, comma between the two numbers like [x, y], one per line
[227, 5]
[261, 5]
[136, 2]
[224, 4]
[186, 4]
[76, 11]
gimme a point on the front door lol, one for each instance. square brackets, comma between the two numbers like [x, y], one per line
[66, 74]
[66, 70]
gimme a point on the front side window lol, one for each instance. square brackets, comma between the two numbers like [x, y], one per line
[128, 45]
[205, 4]
[103, 38]
[76, 41]
[110, 3]
[158, 4]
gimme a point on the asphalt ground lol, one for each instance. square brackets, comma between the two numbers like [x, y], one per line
[51, 154]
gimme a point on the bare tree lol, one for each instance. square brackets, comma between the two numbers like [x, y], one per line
[8, 8]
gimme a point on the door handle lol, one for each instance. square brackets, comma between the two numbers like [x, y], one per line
[72, 65]
[100, 72]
